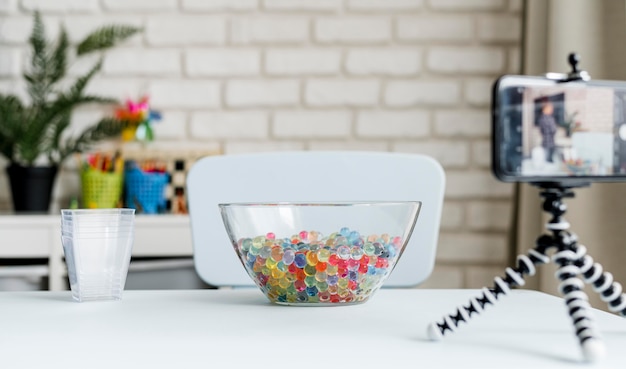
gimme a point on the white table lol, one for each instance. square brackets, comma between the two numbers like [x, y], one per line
[240, 329]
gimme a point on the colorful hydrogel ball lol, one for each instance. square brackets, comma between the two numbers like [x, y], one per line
[343, 267]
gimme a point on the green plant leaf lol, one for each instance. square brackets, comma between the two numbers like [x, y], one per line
[59, 57]
[105, 37]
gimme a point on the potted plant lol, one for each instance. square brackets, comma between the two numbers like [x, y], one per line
[33, 134]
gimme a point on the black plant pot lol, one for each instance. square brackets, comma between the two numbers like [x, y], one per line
[31, 187]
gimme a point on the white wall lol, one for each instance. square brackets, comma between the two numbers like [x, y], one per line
[265, 75]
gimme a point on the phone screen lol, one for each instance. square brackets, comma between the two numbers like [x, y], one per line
[546, 130]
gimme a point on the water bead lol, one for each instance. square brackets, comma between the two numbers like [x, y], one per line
[310, 281]
[310, 270]
[353, 275]
[311, 257]
[277, 273]
[385, 237]
[265, 270]
[299, 285]
[343, 252]
[314, 236]
[288, 256]
[378, 248]
[311, 291]
[300, 260]
[353, 236]
[372, 238]
[321, 276]
[270, 236]
[342, 283]
[323, 255]
[333, 259]
[304, 235]
[341, 240]
[352, 285]
[254, 250]
[335, 298]
[300, 274]
[284, 283]
[353, 265]
[332, 288]
[246, 243]
[265, 251]
[270, 263]
[343, 292]
[320, 267]
[322, 286]
[331, 269]
[332, 280]
[324, 296]
[302, 297]
[369, 249]
[345, 231]
[363, 268]
[277, 253]
[356, 253]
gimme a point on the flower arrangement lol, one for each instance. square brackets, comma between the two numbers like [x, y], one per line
[137, 118]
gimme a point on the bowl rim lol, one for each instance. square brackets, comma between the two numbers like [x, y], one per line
[316, 203]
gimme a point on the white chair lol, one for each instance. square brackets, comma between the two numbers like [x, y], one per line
[334, 176]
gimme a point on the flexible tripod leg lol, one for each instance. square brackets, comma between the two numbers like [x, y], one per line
[602, 282]
[578, 308]
[514, 277]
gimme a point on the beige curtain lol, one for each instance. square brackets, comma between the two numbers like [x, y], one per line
[596, 30]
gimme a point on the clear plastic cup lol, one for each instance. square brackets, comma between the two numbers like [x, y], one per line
[97, 244]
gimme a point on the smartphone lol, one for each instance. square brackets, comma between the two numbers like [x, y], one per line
[547, 130]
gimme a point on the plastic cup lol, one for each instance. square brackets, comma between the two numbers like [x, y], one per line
[97, 244]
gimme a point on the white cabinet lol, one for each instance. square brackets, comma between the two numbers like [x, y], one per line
[39, 236]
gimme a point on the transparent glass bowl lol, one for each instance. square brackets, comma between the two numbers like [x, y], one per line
[319, 253]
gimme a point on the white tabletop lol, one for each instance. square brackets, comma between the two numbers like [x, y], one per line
[240, 328]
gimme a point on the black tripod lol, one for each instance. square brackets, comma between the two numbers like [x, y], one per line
[572, 260]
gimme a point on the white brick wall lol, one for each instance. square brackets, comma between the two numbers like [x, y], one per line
[270, 75]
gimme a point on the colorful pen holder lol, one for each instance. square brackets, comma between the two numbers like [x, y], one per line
[101, 190]
[145, 191]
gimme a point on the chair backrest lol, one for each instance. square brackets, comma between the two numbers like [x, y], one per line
[273, 177]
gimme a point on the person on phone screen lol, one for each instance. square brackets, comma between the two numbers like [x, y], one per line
[547, 128]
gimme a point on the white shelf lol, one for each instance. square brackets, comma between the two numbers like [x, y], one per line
[39, 236]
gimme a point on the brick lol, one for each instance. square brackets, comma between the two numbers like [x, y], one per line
[184, 94]
[481, 153]
[312, 124]
[186, 30]
[463, 123]
[8, 6]
[140, 5]
[514, 64]
[447, 153]
[172, 126]
[220, 5]
[478, 91]
[222, 62]
[452, 216]
[10, 62]
[383, 61]
[279, 62]
[459, 5]
[353, 30]
[462, 184]
[142, 62]
[251, 93]
[328, 92]
[60, 6]
[482, 215]
[472, 248]
[402, 124]
[350, 145]
[435, 28]
[239, 125]
[466, 59]
[410, 93]
[289, 30]
[16, 29]
[384, 5]
[499, 28]
[117, 88]
[240, 147]
[444, 277]
[302, 5]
